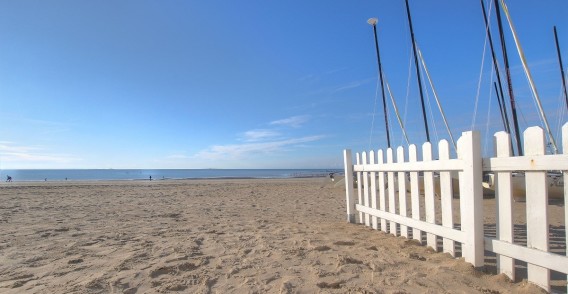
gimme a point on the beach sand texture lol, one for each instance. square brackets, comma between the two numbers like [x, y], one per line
[212, 236]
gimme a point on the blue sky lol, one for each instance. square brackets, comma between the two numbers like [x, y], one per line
[248, 84]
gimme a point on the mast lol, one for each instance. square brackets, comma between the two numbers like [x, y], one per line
[529, 77]
[561, 68]
[500, 107]
[373, 22]
[509, 81]
[417, 72]
[500, 95]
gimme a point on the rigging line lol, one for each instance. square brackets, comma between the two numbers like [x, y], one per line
[488, 117]
[374, 112]
[529, 76]
[430, 112]
[396, 110]
[479, 83]
[436, 97]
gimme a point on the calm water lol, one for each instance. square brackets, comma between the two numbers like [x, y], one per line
[156, 174]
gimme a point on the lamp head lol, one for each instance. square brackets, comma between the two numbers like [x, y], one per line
[372, 21]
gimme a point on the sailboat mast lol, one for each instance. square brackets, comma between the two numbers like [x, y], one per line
[502, 106]
[561, 67]
[417, 72]
[373, 22]
[509, 81]
[529, 77]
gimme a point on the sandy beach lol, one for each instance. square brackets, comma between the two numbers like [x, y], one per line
[212, 236]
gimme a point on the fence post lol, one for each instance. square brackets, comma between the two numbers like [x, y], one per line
[349, 195]
[537, 207]
[471, 198]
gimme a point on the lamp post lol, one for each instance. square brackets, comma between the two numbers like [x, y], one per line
[373, 22]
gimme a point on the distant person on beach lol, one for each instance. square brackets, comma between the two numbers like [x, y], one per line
[8, 178]
[331, 176]
[150, 178]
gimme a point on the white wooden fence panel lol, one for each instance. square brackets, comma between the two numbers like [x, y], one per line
[537, 207]
[382, 191]
[470, 166]
[503, 196]
[429, 201]
[391, 189]
[402, 190]
[414, 193]
[446, 195]
[373, 178]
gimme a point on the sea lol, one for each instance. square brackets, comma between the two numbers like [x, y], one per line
[27, 175]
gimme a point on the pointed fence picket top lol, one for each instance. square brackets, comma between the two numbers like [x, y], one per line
[429, 201]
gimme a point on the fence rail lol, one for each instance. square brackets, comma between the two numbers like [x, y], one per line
[398, 196]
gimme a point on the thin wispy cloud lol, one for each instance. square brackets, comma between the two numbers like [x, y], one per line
[232, 151]
[294, 121]
[352, 85]
[259, 135]
[9, 152]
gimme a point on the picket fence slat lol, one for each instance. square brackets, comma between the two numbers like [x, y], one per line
[402, 190]
[366, 196]
[429, 201]
[391, 189]
[446, 195]
[565, 151]
[414, 193]
[373, 176]
[382, 191]
[504, 198]
[359, 190]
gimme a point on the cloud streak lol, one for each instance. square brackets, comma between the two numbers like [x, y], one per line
[232, 151]
[294, 121]
[9, 152]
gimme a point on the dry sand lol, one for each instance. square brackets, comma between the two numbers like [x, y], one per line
[211, 236]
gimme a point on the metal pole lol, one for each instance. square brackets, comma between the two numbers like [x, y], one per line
[509, 81]
[417, 72]
[497, 73]
[373, 22]
[561, 67]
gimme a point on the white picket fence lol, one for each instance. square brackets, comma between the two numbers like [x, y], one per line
[385, 188]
